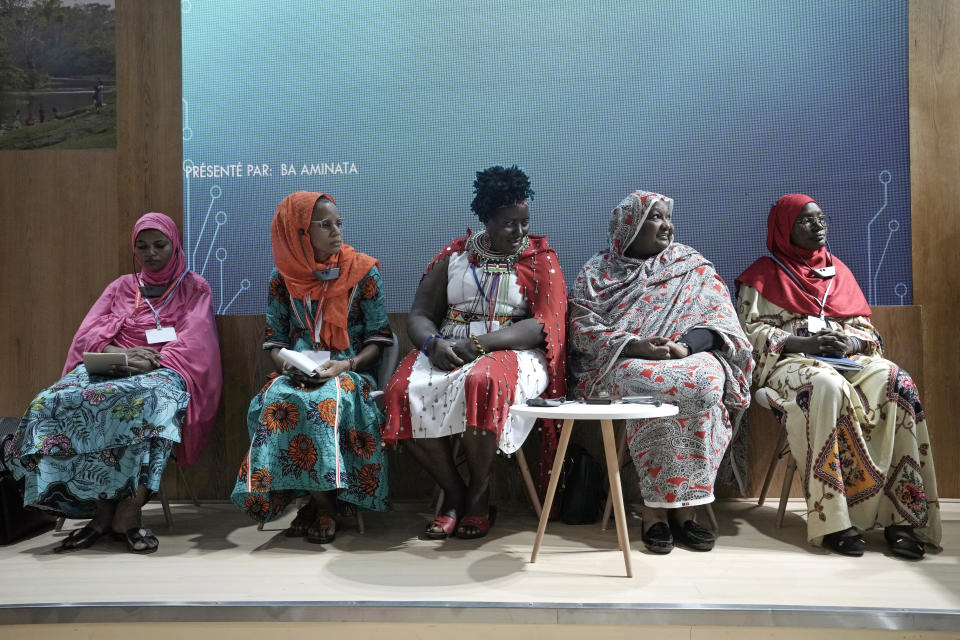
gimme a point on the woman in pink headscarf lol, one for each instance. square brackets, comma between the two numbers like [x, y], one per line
[856, 427]
[95, 446]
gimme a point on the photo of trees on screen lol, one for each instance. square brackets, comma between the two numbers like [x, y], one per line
[57, 74]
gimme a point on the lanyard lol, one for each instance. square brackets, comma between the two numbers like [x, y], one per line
[315, 324]
[156, 312]
[822, 303]
[489, 296]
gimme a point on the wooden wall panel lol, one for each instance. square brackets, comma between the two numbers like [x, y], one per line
[149, 125]
[935, 199]
[57, 253]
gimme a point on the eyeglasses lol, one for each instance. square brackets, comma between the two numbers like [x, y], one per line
[812, 222]
[326, 225]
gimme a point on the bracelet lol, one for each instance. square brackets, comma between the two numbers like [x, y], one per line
[353, 364]
[857, 345]
[426, 343]
[476, 342]
[689, 348]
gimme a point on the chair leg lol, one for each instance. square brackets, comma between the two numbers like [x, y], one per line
[621, 454]
[777, 454]
[183, 480]
[528, 482]
[59, 525]
[167, 514]
[360, 525]
[260, 525]
[785, 492]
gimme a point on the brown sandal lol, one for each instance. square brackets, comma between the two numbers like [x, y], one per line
[323, 521]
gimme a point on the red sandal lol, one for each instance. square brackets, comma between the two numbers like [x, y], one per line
[447, 524]
[481, 523]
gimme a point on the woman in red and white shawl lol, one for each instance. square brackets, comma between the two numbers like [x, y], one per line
[489, 317]
[651, 316]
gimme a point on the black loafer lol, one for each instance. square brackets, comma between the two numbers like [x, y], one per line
[658, 538]
[695, 536]
[847, 542]
[902, 542]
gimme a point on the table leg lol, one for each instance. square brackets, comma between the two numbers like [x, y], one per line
[621, 454]
[528, 481]
[616, 492]
[552, 486]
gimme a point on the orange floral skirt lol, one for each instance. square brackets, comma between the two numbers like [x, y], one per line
[321, 439]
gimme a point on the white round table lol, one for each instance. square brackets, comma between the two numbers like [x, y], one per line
[569, 412]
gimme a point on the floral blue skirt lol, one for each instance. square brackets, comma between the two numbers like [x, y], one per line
[89, 438]
[322, 439]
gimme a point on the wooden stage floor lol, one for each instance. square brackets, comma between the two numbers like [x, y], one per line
[214, 566]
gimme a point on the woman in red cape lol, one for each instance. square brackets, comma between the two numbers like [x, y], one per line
[489, 318]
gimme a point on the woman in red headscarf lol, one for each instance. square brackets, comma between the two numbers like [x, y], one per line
[317, 436]
[856, 426]
[95, 446]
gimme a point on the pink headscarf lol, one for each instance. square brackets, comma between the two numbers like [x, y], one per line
[195, 354]
[178, 261]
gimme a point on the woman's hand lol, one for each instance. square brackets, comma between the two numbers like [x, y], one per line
[331, 369]
[831, 344]
[443, 355]
[652, 348]
[677, 350]
[299, 378]
[139, 360]
[466, 349]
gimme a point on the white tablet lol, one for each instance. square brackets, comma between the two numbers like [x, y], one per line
[102, 364]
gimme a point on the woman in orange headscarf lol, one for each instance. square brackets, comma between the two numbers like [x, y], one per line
[317, 435]
[856, 427]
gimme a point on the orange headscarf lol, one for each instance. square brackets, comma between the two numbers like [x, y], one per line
[293, 257]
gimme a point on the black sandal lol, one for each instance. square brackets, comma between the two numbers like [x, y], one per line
[138, 534]
[695, 536]
[847, 542]
[658, 538]
[902, 542]
[78, 539]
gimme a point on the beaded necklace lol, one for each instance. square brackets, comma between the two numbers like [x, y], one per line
[479, 246]
[493, 283]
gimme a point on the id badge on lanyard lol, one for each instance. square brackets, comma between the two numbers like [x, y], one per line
[816, 324]
[161, 334]
[480, 327]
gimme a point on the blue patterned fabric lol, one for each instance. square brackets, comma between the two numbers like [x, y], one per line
[321, 439]
[91, 437]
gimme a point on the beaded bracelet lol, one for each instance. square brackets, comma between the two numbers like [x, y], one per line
[426, 343]
[480, 348]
